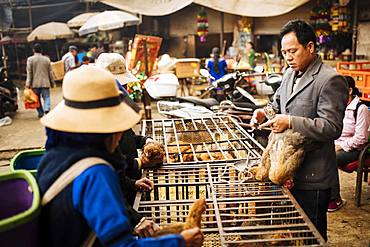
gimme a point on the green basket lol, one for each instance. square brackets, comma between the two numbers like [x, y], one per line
[20, 205]
[27, 160]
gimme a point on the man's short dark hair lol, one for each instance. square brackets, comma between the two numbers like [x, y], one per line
[37, 48]
[304, 31]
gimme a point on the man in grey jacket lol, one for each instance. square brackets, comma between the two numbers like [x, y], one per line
[40, 78]
[311, 100]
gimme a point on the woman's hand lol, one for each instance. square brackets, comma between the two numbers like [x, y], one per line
[146, 228]
[144, 184]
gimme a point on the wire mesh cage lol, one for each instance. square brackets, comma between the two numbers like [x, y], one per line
[240, 211]
[202, 140]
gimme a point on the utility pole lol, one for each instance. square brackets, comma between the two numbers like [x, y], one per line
[3, 55]
[355, 31]
[222, 32]
[30, 13]
[4, 58]
[146, 97]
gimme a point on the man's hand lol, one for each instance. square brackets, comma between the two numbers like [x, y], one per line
[278, 124]
[257, 118]
[289, 184]
[146, 228]
[144, 184]
[193, 237]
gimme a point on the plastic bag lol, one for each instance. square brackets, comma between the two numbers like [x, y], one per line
[5, 121]
[30, 99]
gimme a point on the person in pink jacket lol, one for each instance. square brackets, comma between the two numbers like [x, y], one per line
[354, 136]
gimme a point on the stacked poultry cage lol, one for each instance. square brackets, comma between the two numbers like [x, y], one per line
[202, 140]
[202, 162]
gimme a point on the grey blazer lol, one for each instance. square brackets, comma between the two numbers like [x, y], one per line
[317, 108]
[39, 72]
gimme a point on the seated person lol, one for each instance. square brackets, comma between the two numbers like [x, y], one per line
[77, 128]
[354, 136]
[216, 66]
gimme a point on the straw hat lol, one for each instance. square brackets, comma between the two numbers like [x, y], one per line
[92, 104]
[116, 64]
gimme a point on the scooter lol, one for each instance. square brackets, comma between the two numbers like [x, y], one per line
[8, 95]
[236, 96]
[163, 86]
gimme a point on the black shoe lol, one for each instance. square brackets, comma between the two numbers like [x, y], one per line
[40, 115]
[46, 112]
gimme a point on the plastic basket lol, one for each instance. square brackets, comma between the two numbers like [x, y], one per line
[360, 71]
[27, 160]
[19, 209]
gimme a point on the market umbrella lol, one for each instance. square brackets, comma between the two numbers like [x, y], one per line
[108, 20]
[50, 31]
[80, 19]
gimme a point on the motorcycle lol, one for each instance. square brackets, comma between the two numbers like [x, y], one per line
[164, 88]
[237, 100]
[8, 95]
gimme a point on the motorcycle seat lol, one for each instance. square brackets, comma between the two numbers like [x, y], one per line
[208, 103]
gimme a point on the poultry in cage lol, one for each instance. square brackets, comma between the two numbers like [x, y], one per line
[282, 156]
[193, 220]
[153, 152]
[200, 151]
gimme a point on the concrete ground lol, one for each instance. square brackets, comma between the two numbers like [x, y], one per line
[350, 226]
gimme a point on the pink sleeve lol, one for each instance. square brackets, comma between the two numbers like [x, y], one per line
[361, 130]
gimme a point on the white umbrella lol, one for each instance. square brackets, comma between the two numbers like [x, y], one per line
[108, 20]
[50, 31]
[80, 19]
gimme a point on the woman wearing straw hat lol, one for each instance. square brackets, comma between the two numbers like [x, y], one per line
[77, 130]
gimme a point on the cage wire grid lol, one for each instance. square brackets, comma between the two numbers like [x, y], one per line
[201, 156]
[239, 213]
[202, 140]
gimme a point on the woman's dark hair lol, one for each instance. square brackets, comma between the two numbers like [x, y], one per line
[352, 84]
[78, 140]
[37, 48]
[216, 56]
[304, 31]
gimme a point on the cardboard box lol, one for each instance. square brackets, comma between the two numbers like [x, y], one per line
[187, 67]
[58, 70]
